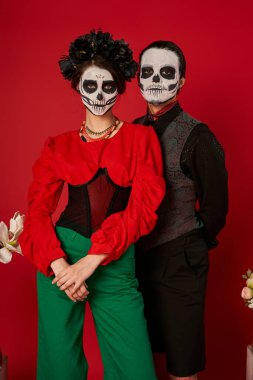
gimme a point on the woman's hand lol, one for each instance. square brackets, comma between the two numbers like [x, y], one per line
[58, 266]
[73, 277]
[80, 294]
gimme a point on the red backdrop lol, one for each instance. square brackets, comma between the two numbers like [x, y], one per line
[37, 102]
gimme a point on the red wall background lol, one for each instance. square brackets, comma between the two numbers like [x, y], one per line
[36, 103]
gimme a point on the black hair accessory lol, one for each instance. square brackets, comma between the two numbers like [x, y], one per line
[85, 47]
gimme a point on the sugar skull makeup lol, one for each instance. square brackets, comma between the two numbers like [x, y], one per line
[98, 90]
[159, 76]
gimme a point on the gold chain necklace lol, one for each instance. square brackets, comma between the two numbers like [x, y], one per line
[91, 132]
[105, 134]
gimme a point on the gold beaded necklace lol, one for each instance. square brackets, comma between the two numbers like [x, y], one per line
[105, 134]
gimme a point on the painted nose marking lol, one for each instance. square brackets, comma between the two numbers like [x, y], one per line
[156, 78]
[99, 96]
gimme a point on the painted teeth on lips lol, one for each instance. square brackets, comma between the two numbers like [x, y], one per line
[156, 88]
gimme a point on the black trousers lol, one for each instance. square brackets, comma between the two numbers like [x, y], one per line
[172, 278]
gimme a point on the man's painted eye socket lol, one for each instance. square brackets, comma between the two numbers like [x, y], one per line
[146, 72]
[168, 72]
[91, 86]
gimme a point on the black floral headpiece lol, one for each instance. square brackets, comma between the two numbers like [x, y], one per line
[85, 47]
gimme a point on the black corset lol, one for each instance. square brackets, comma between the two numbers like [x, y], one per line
[91, 203]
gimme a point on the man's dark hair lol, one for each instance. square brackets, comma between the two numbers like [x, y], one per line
[169, 45]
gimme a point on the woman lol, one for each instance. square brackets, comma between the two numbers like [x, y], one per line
[114, 175]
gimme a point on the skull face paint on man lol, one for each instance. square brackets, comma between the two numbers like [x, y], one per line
[159, 76]
[98, 90]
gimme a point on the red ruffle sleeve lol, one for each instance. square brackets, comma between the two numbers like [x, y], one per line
[120, 230]
[38, 241]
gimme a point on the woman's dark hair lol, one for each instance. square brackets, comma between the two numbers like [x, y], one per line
[103, 63]
[168, 45]
[100, 49]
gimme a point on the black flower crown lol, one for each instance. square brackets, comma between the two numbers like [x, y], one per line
[85, 47]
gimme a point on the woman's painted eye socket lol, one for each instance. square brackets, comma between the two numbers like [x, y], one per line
[109, 87]
[90, 86]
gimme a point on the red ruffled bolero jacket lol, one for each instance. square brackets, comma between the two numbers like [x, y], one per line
[132, 157]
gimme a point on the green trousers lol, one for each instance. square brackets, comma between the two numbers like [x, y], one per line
[117, 309]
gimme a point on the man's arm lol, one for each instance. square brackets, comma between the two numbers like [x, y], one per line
[203, 160]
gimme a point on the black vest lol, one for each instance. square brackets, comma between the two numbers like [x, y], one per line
[177, 213]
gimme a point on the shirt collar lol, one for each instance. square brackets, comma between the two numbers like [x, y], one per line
[164, 120]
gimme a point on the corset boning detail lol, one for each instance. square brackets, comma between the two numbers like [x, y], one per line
[91, 203]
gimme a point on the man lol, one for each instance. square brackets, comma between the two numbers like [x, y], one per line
[172, 262]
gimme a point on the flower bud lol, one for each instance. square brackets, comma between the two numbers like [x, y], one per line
[247, 293]
[249, 283]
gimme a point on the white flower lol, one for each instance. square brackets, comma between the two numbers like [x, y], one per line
[17, 225]
[250, 304]
[9, 238]
[5, 256]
